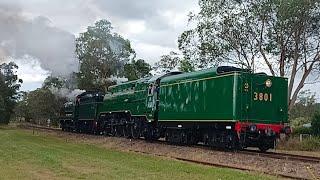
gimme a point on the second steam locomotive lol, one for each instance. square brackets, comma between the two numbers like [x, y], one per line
[223, 107]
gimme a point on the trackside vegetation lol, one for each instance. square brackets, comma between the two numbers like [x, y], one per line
[34, 156]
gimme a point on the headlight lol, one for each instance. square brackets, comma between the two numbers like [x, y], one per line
[268, 83]
[253, 128]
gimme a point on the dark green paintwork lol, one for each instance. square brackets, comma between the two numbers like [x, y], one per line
[206, 96]
[130, 96]
[262, 110]
[200, 96]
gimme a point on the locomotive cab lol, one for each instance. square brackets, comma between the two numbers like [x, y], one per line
[81, 115]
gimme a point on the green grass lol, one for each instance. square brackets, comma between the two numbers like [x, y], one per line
[27, 156]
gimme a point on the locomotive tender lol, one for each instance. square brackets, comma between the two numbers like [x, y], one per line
[223, 107]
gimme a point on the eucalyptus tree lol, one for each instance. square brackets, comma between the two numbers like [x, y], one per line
[280, 36]
[137, 69]
[173, 61]
[9, 87]
[102, 53]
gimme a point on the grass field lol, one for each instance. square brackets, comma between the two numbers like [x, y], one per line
[27, 156]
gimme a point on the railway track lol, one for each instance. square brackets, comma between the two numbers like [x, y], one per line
[224, 166]
[220, 165]
[238, 168]
[274, 155]
[285, 156]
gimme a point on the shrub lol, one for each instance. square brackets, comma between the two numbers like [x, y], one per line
[299, 121]
[294, 144]
[315, 124]
[301, 130]
[310, 144]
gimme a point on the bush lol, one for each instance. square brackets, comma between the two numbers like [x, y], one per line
[299, 121]
[294, 144]
[315, 124]
[301, 130]
[310, 144]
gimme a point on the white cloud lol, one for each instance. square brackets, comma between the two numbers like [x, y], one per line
[151, 51]
[31, 73]
[134, 27]
[152, 26]
[37, 37]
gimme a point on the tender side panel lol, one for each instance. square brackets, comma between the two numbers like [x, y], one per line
[262, 104]
[204, 99]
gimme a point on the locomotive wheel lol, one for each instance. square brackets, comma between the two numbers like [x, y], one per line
[113, 130]
[107, 129]
[263, 148]
[123, 127]
[231, 142]
[191, 139]
[135, 129]
[124, 131]
[120, 131]
[183, 138]
[128, 132]
[266, 143]
[167, 136]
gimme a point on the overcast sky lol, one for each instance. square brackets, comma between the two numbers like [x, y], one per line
[38, 33]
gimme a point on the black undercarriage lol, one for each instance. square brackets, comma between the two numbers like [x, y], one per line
[214, 134]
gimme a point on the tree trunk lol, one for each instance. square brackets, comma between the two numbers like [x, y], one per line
[300, 86]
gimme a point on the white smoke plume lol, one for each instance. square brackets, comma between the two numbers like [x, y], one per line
[118, 80]
[22, 37]
[67, 93]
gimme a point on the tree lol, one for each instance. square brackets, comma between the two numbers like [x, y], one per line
[315, 124]
[167, 62]
[171, 62]
[282, 36]
[186, 66]
[304, 109]
[137, 69]
[42, 104]
[102, 54]
[51, 81]
[9, 86]
[21, 109]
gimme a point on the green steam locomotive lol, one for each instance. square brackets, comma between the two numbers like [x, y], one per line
[224, 107]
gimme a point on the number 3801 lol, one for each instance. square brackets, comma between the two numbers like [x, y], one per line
[262, 96]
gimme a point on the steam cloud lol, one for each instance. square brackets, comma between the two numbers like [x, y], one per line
[64, 92]
[21, 37]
